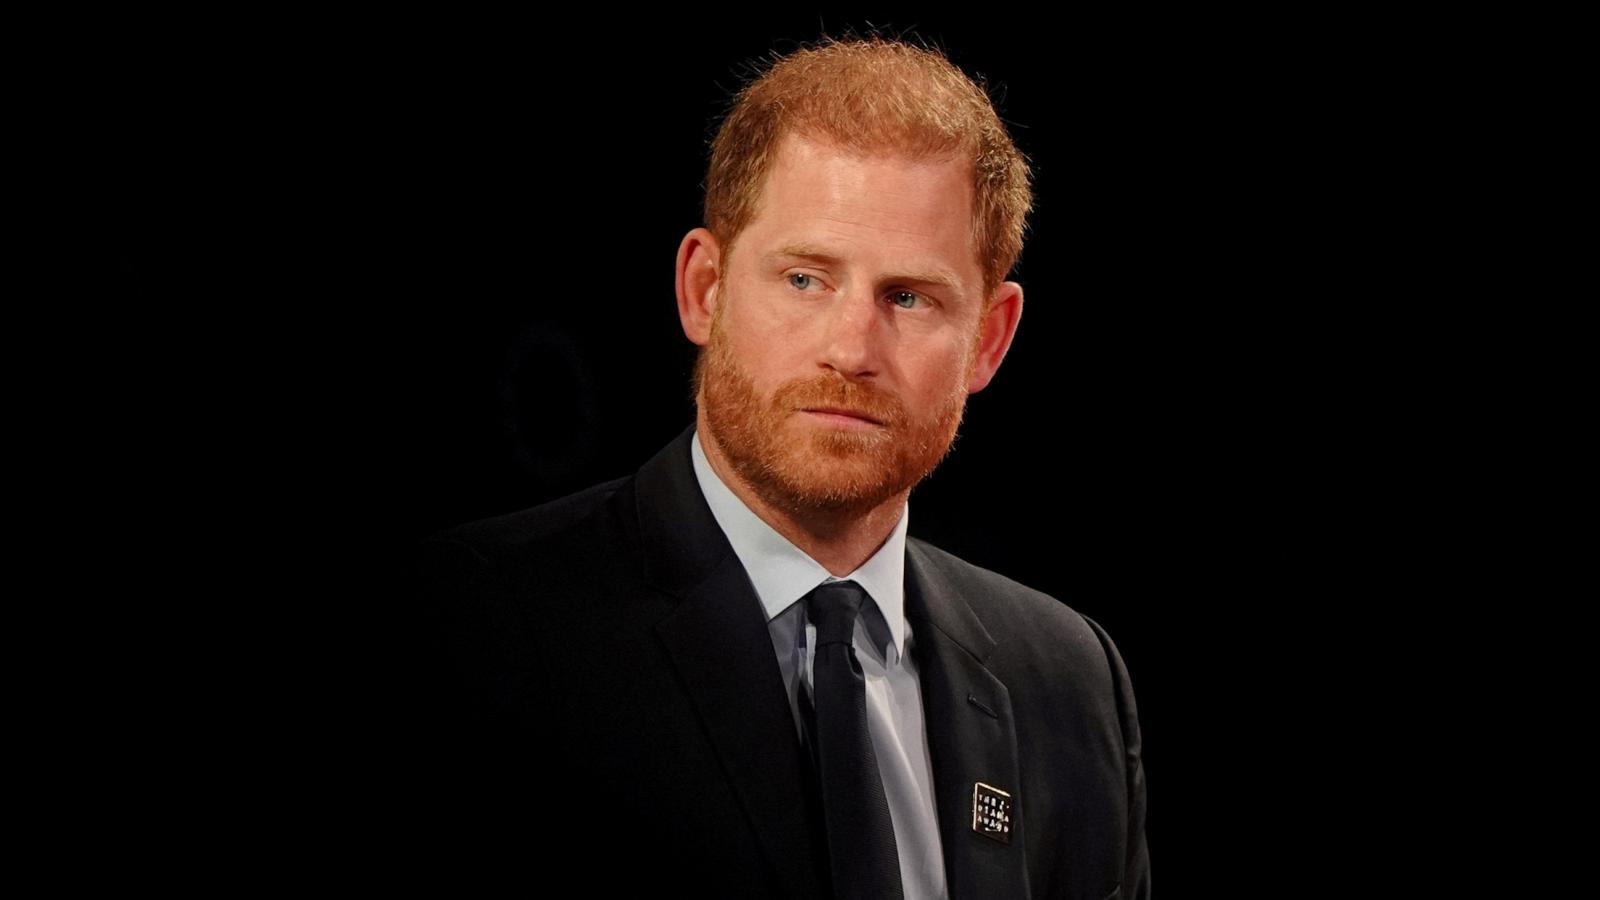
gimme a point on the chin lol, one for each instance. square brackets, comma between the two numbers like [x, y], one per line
[829, 480]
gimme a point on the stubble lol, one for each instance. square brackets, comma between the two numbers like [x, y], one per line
[801, 467]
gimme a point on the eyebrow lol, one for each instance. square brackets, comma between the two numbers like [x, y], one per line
[937, 276]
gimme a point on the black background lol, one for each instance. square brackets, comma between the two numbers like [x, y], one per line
[446, 250]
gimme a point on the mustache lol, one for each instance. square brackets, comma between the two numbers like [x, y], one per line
[831, 392]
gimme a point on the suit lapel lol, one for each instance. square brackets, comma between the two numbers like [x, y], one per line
[718, 641]
[971, 731]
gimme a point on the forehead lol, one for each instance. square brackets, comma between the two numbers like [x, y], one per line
[891, 207]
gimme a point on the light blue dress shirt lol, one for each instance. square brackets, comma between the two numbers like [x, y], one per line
[783, 574]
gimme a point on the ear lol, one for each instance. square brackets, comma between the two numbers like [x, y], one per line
[699, 271]
[995, 332]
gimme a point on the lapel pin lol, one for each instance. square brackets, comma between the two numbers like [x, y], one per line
[991, 812]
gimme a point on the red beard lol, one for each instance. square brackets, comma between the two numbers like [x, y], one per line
[799, 465]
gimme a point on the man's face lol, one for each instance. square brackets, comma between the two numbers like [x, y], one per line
[856, 289]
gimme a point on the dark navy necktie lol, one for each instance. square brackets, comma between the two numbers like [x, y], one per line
[861, 846]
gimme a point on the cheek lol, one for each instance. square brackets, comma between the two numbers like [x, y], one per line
[754, 366]
[744, 327]
[957, 360]
[763, 331]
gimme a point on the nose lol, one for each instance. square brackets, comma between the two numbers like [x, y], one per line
[853, 345]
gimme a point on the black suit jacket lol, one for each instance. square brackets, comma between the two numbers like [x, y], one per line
[615, 710]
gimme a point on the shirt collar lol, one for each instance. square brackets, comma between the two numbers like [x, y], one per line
[783, 573]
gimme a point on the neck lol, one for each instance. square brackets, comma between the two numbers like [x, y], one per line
[840, 540]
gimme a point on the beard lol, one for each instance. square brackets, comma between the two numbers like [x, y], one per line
[802, 467]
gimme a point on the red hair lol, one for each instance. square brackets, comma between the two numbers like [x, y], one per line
[872, 96]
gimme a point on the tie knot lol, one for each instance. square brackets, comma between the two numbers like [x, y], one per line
[833, 608]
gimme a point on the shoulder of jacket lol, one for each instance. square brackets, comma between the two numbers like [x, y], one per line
[1005, 605]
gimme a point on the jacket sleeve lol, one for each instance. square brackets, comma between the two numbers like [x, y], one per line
[1136, 868]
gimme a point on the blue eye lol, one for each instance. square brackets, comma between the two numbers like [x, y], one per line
[794, 275]
[898, 296]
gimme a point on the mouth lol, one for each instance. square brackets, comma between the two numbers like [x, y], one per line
[838, 413]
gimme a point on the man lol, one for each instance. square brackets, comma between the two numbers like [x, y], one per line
[733, 672]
